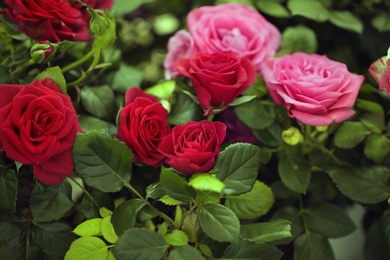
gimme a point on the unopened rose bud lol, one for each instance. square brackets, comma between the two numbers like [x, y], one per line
[292, 136]
[103, 27]
[43, 51]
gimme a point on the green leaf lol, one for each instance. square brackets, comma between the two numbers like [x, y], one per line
[125, 215]
[346, 20]
[99, 101]
[184, 110]
[266, 231]
[373, 122]
[140, 244]
[168, 200]
[176, 238]
[295, 217]
[385, 225]
[154, 191]
[241, 100]
[191, 227]
[237, 167]
[122, 7]
[313, 10]
[125, 77]
[22, 251]
[369, 184]
[54, 238]
[90, 209]
[294, 171]
[329, 220]
[377, 147]
[108, 231]
[253, 204]
[175, 185]
[381, 21]
[272, 8]
[256, 114]
[251, 251]
[370, 106]
[55, 74]
[87, 248]
[89, 228]
[90, 124]
[185, 252]
[313, 246]
[102, 162]
[206, 197]
[350, 134]
[8, 190]
[52, 202]
[163, 90]
[204, 181]
[271, 136]
[219, 222]
[9, 230]
[298, 39]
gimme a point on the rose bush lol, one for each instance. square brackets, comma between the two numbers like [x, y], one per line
[38, 126]
[143, 124]
[51, 20]
[315, 90]
[234, 28]
[193, 147]
[217, 78]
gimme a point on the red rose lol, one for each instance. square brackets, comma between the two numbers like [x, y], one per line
[193, 147]
[38, 126]
[217, 78]
[51, 20]
[143, 124]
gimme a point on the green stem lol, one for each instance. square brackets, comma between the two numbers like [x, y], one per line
[303, 213]
[84, 190]
[80, 61]
[330, 154]
[23, 66]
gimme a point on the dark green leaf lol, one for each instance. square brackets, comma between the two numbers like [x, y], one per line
[377, 147]
[9, 230]
[370, 106]
[90, 124]
[154, 191]
[253, 204]
[54, 238]
[55, 74]
[8, 190]
[87, 248]
[183, 110]
[175, 185]
[237, 167]
[256, 114]
[385, 225]
[191, 227]
[140, 244]
[52, 202]
[298, 39]
[271, 136]
[125, 77]
[350, 134]
[219, 222]
[375, 246]
[381, 21]
[23, 252]
[266, 231]
[272, 8]
[362, 184]
[294, 171]
[313, 246]
[293, 215]
[103, 162]
[99, 101]
[125, 215]
[375, 123]
[313, 10]
[90, 209]
[329, 221]
[251, 251]
[185, 252]
[346, 20]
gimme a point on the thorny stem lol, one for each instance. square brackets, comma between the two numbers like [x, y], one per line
[84, 190]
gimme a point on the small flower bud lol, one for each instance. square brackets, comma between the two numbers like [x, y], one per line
[292, 136]
[43, 51]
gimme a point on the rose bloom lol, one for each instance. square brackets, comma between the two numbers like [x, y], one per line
[193, 147]
[380, 70]
[180, 45]
[38, 126]
[234, 28]
[315, 90]
[217, 78]
[51, 20]
[143, 124]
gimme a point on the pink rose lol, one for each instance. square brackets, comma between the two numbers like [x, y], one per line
[234, 28]
[143, 124]
[380, 70]
[180, 45]
[315, 90]
[193, 147]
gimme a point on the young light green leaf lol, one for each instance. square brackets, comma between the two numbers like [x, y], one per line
[104, 212]
[52, 202]
[168, 200]
[139, 244]
[99, 101]
[219, 223]
[346, 20]
[294, 171]
[206, 182]
[370, 106]
[313, 10]
[122, 7]
[273, 8]
[185, 252]
[206, 197]
[89, 228]
[8, 190]
[55, 74]
[381, 21]
[241, 100]
[108, 231]
[253, 204]
[103, 162]
[237, 167]
[377, 147]
[313, 246]
[163, 90]
[329, 221]
[266, 231]
[175, 185]
[350, 134]
[176, 238]
[125, 215]
[257, 114]
[87, 248]
[251, 251]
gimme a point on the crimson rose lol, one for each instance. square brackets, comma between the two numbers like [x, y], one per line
[51, 20]
[38, 126]
[143, 124]
[217, 78]
[193, 147]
